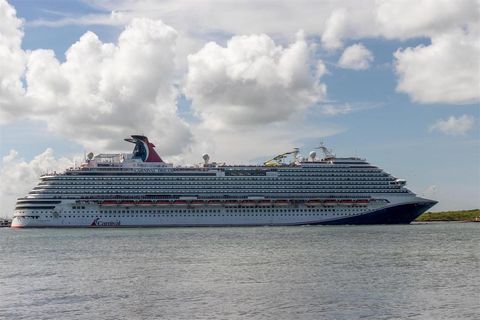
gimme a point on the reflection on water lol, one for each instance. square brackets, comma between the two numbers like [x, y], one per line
[420, 271]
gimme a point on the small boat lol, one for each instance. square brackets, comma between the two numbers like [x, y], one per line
[330, 202]
[197, 203]
[214, 203]
[162, 203]
[108, 203]
[180, 203]
[346, 202]
[248, 203]
[264, 203]
[231, 203]
[313, 203]
[361, 202]
[282, 202]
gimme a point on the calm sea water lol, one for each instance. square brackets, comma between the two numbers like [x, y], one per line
[420, 271]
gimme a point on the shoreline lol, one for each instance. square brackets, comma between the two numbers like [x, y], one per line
[449, 216]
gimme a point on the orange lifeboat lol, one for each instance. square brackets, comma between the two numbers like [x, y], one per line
[180, 203]
[346, 202]
[231, 203]
[313, 203]
[282, 202]
[362, 202]
[248, 203]
[197, 203]
[162, 203]
[330, 202]
[108, 203]
[264, 203]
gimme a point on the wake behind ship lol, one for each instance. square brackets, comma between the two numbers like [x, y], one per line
[141, 190]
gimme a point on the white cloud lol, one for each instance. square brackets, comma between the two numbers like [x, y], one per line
[454, 125]
[335, 28]
[404, 19]
[335, 22]
[356, 57]
[114, 18]
[447, 71]
[12, 62]
[333, 110]
[102, 91]
[252, 81]
[19, 176]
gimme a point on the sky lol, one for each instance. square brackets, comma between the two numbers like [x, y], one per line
[395, 82]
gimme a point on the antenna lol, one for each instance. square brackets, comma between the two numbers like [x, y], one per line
[326, 152]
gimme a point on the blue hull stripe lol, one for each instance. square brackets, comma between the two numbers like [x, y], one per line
[400, 214]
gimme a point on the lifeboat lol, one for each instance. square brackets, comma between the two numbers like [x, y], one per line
[282, 202]
[231, 203]
[264, 203]
[197, 203]
[361, 202]
[162, 203]
[249, 203]
[108, 203]
[313, 203]
[179, 203]
[330, 202]
[127, 203]
[346, 202]
[144, 203]
[214, 203]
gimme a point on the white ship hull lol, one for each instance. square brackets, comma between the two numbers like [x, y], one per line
[400, 210]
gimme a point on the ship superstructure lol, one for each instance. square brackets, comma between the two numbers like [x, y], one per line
[141, 190]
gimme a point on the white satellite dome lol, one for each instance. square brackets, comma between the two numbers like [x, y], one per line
[206, 157]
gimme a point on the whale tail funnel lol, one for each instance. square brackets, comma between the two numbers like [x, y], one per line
[144, 149]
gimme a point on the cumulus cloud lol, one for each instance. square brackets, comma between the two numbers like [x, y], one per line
[447, 71]
[356, 57]
[19, 176]
[335, 28]
[454, 126]
[12, 62]
[102, 91]
[253, 81]
[404, 19]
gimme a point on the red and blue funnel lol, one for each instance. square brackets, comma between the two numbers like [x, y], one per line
[144, 149]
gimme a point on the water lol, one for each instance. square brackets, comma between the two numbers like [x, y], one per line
[422, 271]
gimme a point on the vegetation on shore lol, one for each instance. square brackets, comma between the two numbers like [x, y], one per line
[464, 215]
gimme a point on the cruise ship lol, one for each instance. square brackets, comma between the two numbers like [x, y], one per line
[141, 190]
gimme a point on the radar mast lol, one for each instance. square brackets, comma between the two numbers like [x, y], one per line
[326, 152]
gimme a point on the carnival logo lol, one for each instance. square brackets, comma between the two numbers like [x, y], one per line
[97, 223]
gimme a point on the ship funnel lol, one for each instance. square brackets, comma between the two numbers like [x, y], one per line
[144, 149]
